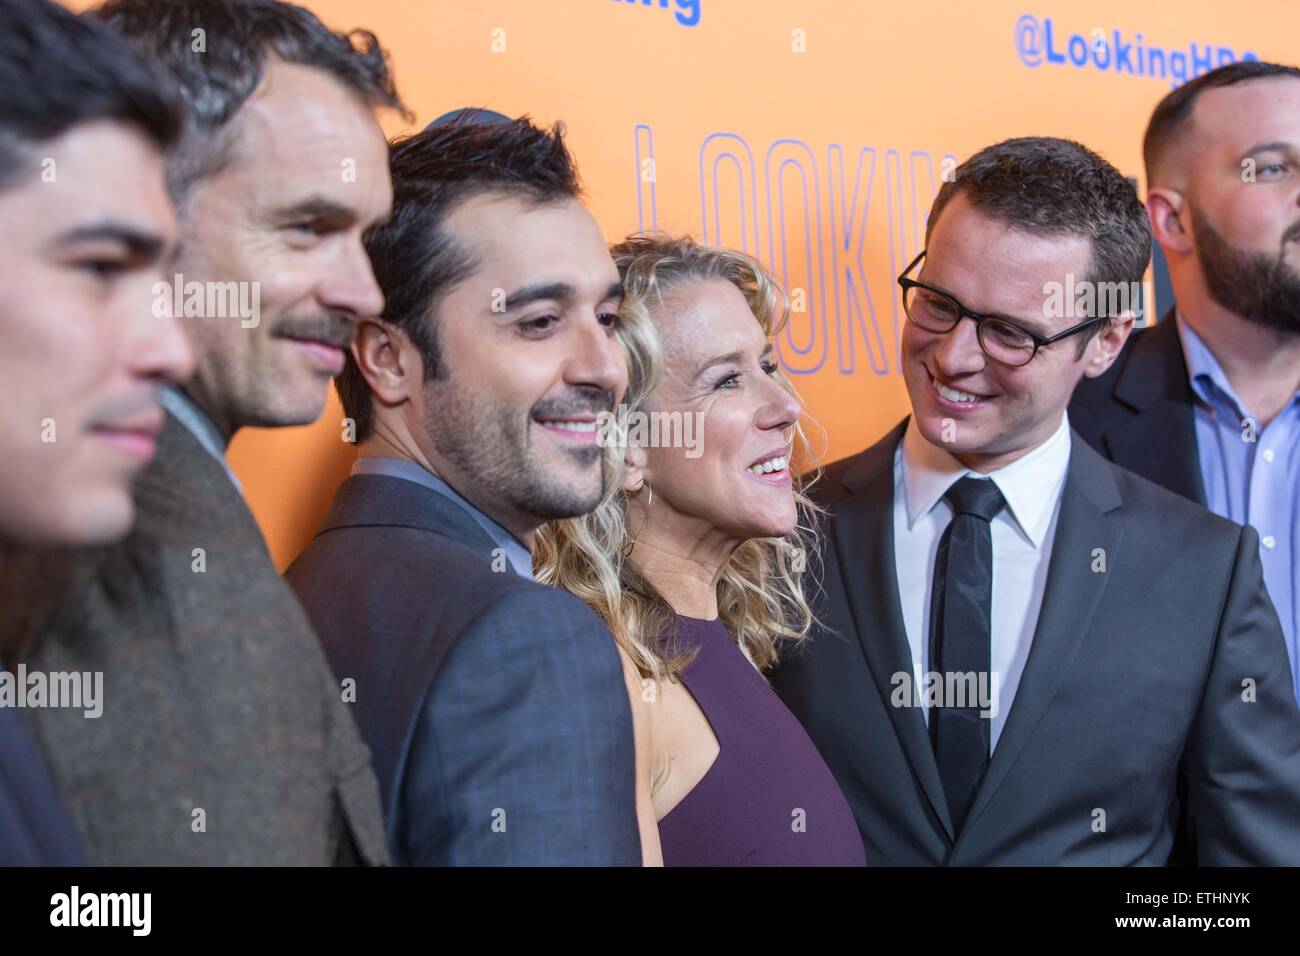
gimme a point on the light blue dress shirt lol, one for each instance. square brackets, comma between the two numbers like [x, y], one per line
[1254, 482]
[200, 426]
[521, 560]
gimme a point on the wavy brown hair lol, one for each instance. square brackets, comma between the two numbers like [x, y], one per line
[761, 590]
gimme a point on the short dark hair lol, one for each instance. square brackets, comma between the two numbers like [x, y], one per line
[238, 37]
[1172, 113]
[1057, 187]
[58, 70]
[415, 261]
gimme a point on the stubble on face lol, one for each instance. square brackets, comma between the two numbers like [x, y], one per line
[489, 443]
[1260, 288]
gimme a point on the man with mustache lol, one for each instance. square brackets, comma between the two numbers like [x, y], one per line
[1207, 403]
[494, 706]
[225, 739]
[86, 228]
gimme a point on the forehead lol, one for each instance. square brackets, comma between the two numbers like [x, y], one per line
[518, 241]
[1244, 114]
[94, 172]
[993, 267]
[705, 317]
[302, 123]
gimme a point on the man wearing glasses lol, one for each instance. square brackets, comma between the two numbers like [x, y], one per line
[1031, 656]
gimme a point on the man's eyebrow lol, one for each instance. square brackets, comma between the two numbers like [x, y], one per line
[1029, 324]
[560, 291]
[1277, 146]
[317, 207]
[139, 242]
[615, 291]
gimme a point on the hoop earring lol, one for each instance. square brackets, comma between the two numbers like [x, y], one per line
[631, 541]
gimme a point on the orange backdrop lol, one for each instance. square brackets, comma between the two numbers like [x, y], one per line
[813, 134]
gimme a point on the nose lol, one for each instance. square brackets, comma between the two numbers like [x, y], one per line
[350, 285]
[958, 352]
[780, 409]
[158, 349]
[595, 358]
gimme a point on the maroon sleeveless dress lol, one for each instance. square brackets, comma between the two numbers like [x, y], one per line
[769, 798]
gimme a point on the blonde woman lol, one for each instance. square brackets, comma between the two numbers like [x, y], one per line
[695, 561]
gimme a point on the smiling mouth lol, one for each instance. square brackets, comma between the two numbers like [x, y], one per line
[581, 428]
[955, 396]
[770, 466]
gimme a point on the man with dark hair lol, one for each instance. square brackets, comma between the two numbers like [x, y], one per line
[226, 739]
[1207, 403]
[85, 226]
[1030, 655]
[494, 706]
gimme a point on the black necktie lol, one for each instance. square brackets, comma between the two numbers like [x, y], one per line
[960, 637]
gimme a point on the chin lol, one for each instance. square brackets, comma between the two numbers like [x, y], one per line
[91, 519]
[304, 411]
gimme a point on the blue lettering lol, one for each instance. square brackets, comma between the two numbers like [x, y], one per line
[1052, 55]
[1079, 44]
[1122, 50]
[1199, 65]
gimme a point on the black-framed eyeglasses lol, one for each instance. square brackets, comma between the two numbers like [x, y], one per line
[1001, 339]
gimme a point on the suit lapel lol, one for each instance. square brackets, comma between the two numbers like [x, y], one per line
[1070, 597]
[1154, 384]
[863, 537]
[385, 501]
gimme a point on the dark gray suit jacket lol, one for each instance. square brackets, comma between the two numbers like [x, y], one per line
[217, 696]
[1166, 668]
[494, 706]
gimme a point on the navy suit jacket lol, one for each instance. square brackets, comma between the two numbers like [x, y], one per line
[34, 829]
[1157, 682]
[494, 707]
[1141, 413]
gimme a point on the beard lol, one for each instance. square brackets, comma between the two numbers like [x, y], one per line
[1261, 289]
[489, 444]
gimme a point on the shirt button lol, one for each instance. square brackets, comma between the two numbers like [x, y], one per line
[1268, 454]
[1268, 541]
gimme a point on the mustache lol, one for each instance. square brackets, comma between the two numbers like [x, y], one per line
[335, 329]
[577, 402]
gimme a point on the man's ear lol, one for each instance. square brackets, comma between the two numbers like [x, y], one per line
[386, 360]
[1107, 344]
[1165, 209]
[634, 469]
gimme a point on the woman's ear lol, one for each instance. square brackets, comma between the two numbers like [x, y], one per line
[634, 469]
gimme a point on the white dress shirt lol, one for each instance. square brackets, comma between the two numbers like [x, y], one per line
[1022, 546]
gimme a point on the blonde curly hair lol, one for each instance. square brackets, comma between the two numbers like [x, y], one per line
[761, 590]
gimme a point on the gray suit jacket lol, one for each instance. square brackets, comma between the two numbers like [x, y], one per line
[1157, 684]
[224, 738]
[494, 706]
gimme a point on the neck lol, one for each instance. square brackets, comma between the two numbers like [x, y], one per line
[988, 462]
[683, 567]
[1262, 364]
[388, 441]
[226, 428]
